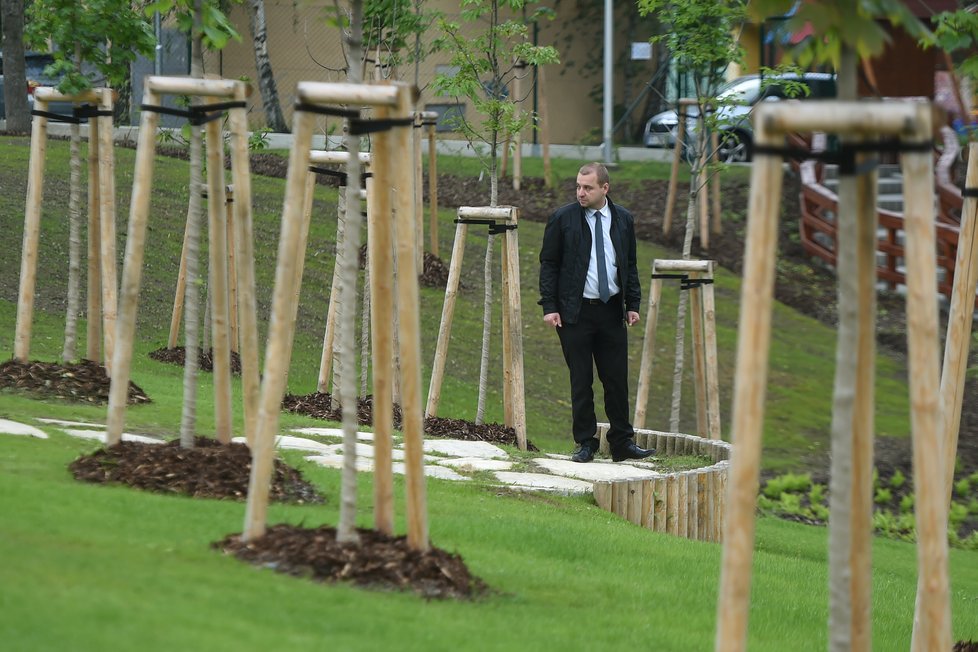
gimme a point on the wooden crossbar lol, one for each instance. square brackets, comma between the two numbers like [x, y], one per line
[514, 407]
[391, 101]
[101, 225]
[154, 87]
[703, 323]
[851, 525]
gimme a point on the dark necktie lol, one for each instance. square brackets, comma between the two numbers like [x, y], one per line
[603, 292]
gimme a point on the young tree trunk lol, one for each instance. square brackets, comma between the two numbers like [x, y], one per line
[365, 331]
[15, 99]
[263, 64]
[346, 310]
[844, 395]
[677, 370]
[188, 418]
[480, 413]
[68, 353]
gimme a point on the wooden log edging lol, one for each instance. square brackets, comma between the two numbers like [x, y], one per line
[690, 504]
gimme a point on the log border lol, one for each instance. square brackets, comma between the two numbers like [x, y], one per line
[690, 504]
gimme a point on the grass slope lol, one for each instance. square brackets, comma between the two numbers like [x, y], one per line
[802, 353]
[93, 567]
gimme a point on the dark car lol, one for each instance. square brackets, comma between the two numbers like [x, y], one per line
[34, 65]
[738, 98]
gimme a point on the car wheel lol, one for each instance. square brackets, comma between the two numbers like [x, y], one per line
[735, 147]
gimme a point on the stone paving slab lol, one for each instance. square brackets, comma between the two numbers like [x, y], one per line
[366, 465]
[462, 448]
[77, 424]
[295, 443]
[544, 482]
[100, 436]
[9, 427]
[470, 464]
[594, 471]
[332, 432]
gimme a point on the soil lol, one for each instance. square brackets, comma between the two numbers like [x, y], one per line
[84, 381]
[378, 561]
[205, 359]
[387, 562]
[319, 405]
[208, 470]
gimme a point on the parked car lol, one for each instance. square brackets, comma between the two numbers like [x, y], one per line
[737, 100]
[34, 65]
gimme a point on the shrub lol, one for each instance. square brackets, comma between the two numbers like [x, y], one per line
[897, 480]
[787, 483]
[883, 496]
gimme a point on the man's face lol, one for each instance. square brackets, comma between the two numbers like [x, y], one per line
[590, 194]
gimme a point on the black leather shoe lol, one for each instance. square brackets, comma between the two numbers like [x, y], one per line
[583, 454]
[631, 452]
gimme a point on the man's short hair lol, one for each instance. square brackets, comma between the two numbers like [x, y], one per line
[596, 168]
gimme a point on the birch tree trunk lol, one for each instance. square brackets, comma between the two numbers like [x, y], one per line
[677, 369]
[480, 413]
[191, 312]
[843, 399]
[365, 331]
[487, 305]
[263, 64]
[68, 353]
[347, 308]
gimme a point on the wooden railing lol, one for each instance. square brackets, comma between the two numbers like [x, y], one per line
[820, 205]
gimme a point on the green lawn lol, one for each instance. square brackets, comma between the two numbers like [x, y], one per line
[90, 567]
[93, 567]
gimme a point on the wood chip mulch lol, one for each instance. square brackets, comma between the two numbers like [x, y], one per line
[319, 406]
[209, 470]
[434, 271]
[966, 646]
[379, 561]
[84, 381]
[205, 359]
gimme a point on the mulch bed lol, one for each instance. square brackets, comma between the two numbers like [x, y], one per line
[319, 406]
[84, 381]
[379, 561]
[965, 646]
[209, 470]
[205, 359]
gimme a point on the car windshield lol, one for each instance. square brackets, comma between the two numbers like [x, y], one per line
[740, 91]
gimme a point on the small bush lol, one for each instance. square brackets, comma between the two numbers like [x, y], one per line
[906, 504]
[883, 496]
[787, 483]
[897, 480]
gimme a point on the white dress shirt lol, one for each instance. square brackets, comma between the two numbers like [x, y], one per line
[591, 284]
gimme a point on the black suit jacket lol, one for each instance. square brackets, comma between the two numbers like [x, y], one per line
[566, 253]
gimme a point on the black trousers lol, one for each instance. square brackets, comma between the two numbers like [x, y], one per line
[598, 339]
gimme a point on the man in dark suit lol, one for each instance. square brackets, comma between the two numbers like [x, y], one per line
[589, 291]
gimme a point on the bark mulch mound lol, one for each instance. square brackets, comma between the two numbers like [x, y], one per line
[966, 646]
[319, 406]
[209, 470]
[205, 359]
[84, 381]
[379, 561]
[434, 271]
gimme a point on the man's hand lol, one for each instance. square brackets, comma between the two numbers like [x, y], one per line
[631, 317]
[552, 319]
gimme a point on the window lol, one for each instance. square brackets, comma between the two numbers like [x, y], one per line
[447, 115]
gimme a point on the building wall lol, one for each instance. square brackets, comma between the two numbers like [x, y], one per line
[303, 47]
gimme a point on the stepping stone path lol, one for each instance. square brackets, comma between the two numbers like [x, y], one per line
[445, 459]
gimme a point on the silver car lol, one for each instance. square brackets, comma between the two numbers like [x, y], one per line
[736, 99]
